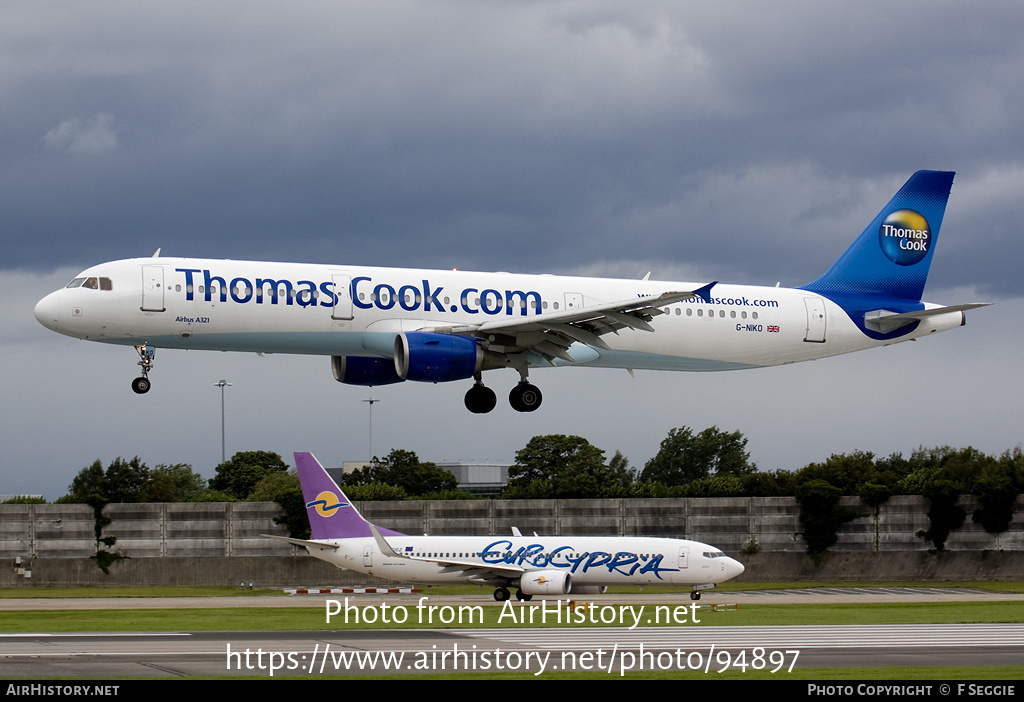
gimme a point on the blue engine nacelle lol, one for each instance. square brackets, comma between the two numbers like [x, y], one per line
[436, 358]
[545, 582]
[364, 370]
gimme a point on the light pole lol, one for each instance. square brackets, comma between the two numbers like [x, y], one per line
[371, 401]
[222, 384]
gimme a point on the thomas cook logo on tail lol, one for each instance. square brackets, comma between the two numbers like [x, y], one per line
[905, 237]
[326, 504]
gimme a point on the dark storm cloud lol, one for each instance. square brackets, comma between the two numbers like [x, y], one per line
[527, 136]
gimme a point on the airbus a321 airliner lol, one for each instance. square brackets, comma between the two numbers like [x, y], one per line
[536, 565]
[388, 325]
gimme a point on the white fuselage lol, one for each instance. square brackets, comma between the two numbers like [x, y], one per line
[589, 560]
[357, 311]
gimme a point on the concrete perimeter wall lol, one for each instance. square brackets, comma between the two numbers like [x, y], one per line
[221, 543]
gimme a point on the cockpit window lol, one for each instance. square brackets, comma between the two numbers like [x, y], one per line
[92, 283]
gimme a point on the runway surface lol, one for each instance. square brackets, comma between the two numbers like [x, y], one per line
[796, 596]
[616, 651]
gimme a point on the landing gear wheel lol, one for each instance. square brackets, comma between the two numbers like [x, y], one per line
[140, 385]
[480, 399]
[695, 596]
[525, 397]
[522, 596]
[502, 594]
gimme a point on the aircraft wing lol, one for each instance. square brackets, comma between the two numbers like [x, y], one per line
[551, 334]
[472, 571]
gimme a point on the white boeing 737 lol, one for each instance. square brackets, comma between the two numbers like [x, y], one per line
[388, 325]
[536, 565]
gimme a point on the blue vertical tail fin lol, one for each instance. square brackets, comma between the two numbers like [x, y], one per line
[892, 255]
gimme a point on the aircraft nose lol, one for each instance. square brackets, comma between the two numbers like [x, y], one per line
[47, 311]
[734, 568]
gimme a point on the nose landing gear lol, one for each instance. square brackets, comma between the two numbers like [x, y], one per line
[141, 384]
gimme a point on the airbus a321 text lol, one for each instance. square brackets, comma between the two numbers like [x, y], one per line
[535, 565]
[388, 325]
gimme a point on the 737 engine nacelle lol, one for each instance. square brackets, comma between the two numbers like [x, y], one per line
[589, 589]
[364, 370]
[428, 357]
[545, 582]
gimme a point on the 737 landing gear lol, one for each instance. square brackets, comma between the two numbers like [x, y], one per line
[502, 594]
[695, 595]
[141, 384]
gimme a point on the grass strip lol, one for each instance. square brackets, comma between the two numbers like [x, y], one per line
[492, 616]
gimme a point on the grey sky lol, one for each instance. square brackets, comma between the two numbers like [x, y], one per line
[746, 142]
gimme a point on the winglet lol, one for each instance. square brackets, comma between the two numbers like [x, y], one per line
[704, 292]
[383, 545]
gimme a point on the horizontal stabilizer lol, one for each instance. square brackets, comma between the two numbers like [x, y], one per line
[303, 542]
[884, 321]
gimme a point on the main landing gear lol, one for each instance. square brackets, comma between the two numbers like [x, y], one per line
[524, 397]
[141, 384]
[480, 399]
[502, 594]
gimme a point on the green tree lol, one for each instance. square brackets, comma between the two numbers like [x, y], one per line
[945, 515]
[556, 465]
[174, 483]
[214, 496]
[286, 491]
[379, 492]
[127, 481]
[962, 467]
[769, 484]
[996, 495]
[294, 519]
[714, 486]
[91, 480]
[240, 474]
[272, 486]
[846, 471]
[685, 456]
[821, 515]
[122, 481]
[405, 470]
